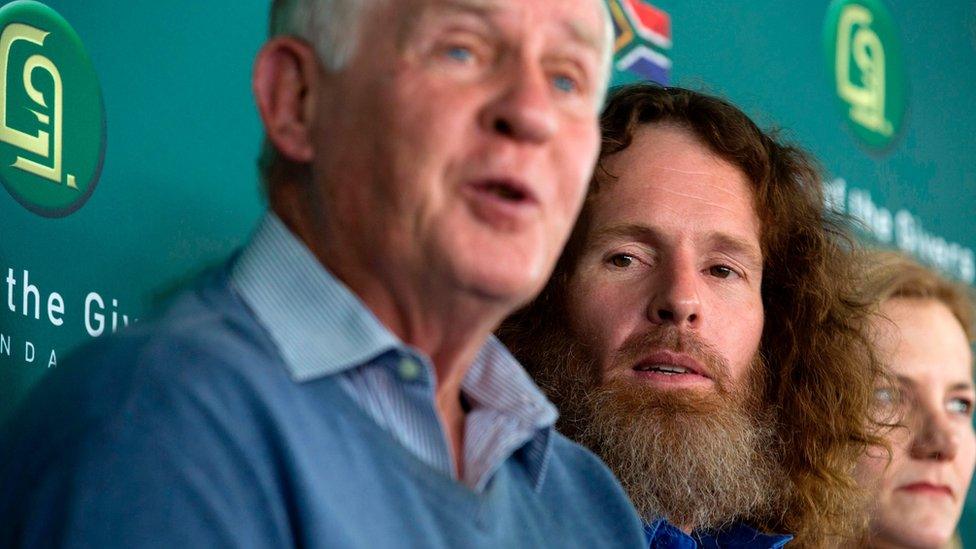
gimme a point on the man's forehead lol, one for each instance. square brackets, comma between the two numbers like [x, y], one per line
[667, 178]
[582, 27]
[704, 208]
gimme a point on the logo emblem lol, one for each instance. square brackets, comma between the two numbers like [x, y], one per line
[52, 119]
[642, 39]
[866, 67]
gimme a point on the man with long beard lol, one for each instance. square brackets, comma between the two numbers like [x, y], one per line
[699, 332]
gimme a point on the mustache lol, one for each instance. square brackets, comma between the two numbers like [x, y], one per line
[638, 345]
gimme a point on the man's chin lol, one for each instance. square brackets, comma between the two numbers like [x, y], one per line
[693, 457]
[701, 458]
[510, 270]
[661, 382]
[639, 396]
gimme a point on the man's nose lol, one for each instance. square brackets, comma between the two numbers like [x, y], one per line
[933, 437]
[675, 296]
[524, 109]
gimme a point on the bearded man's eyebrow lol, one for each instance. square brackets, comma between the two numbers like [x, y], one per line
[635, 231]
[737, 246]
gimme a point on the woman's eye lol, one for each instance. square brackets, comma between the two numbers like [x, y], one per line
[960, 406]
[621, 260]
[721, 271]
[884, 395]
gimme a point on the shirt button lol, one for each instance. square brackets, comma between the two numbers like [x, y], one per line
[408, 369]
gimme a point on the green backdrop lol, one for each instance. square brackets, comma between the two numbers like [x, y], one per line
[178, 188]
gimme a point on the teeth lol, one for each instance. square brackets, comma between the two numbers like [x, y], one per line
[663, 368]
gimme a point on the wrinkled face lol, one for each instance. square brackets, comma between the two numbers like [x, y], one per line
[456, 147]
[667, 289]
[920, 495]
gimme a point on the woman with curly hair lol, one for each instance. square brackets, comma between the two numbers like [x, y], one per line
[924, 334]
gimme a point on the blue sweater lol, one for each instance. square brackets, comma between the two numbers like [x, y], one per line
[187, 431]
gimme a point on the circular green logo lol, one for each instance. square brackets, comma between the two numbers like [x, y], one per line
[866, 67]
[52, 119]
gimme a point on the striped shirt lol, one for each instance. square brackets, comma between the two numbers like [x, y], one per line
[322, 329]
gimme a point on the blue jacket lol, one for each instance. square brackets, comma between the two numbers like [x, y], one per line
[661, 534]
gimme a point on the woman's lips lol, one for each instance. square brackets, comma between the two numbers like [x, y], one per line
[927, 488]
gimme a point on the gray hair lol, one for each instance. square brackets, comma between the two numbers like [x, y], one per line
[332, 28]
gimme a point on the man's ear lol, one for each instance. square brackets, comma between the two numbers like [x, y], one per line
[285, 77]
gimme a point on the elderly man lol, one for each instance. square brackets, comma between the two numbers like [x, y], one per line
[698, 332]
[336, 384]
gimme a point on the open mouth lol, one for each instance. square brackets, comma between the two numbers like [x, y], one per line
[504, 203]
[671, 368]
[666, 369]
[507, 190]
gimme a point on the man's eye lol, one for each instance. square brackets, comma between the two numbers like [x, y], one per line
[721, 271]
[459, 53]
[960, 406]
[565, 83]
[621, 260]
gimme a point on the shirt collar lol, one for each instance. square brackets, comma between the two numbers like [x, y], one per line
[496, 380]
[320, 327]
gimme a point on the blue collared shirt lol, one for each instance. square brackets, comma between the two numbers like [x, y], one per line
[322, 329]
[209, 426]
[661, 534]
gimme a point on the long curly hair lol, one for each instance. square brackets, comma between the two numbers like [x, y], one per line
[821, 371]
